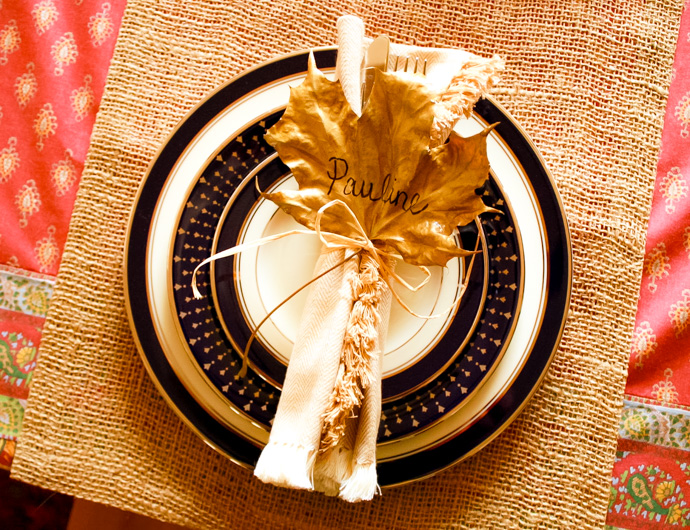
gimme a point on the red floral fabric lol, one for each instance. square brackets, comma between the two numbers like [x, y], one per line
[659, 367]
[54, 56]
[649, 489]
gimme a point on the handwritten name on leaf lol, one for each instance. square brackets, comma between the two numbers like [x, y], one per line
[408, 198]
[386, 192]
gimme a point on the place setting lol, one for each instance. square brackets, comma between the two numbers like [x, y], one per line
[228, 255]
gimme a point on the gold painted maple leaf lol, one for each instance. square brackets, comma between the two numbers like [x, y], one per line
[408, 198]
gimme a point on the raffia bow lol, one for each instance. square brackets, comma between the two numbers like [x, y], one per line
[361, 245]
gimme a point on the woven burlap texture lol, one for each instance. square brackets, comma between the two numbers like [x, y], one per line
[587, 80]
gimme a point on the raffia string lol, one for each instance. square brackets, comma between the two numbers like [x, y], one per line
[344, 462]
[245, 352]
[385, 263]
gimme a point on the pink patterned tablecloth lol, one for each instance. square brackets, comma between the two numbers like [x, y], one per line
[54, 57]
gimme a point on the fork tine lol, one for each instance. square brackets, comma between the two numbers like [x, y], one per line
[414, 65]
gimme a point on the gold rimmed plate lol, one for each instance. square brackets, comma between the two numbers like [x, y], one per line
[188, 346]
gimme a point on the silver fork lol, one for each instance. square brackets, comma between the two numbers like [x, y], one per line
[378, 59]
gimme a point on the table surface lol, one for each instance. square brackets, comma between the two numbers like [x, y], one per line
[55, 56]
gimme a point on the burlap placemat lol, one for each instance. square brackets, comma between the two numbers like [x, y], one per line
[588, 81]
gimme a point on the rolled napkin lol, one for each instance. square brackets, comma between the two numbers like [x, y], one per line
[324, 434]
[346, 463]
[288, 458]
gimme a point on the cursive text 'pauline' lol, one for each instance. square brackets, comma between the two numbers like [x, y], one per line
[384, 192]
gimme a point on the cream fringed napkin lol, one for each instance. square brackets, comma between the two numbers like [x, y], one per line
[324, 433]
